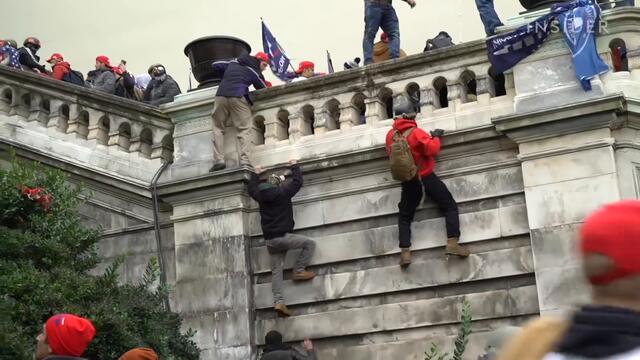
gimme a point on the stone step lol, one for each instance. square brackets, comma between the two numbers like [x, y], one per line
[427, 234]
[344, 201]
[385, 280]
[421, 313]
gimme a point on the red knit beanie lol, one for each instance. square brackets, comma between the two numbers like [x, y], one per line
[69, 335]
[614, 231]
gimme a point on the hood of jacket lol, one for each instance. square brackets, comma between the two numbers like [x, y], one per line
[404, 124]
[601, 331]
[250, 61]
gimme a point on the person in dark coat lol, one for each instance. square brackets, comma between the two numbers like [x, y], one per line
[162, 88]
[233, 104]
[275, 350]
[28, 58]
[276, 218]
[125, 82]
[64, 336]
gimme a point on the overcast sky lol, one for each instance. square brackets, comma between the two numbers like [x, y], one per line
[145, 32]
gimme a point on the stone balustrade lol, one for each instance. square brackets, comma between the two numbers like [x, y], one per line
[352, 110]
[122, 135]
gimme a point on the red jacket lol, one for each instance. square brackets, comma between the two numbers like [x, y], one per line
[60, 70]
[423, 147]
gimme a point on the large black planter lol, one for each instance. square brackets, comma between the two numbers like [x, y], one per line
[538, 4]
[204, 51]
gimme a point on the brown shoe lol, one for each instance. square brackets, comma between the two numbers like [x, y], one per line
[453, 248]
[303, 275]
[405, 257]
[282, 310]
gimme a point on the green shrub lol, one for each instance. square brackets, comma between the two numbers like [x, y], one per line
[45, 257]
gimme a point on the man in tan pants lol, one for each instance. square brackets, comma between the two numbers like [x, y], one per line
[233, 103]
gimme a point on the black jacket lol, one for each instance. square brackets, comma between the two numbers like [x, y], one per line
[237, 75]
[30, 62]
[598, 332]
[289, 354]
[276, 210]
[162, 91]
[125, 86]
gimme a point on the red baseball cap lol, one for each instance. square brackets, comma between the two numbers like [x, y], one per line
[262, 56]
[69, 335]
[55, 56]
[614, 231]
[305, 65]
[103, 59]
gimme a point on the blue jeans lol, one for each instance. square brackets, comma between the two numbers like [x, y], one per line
[380, 16]
[488, 15]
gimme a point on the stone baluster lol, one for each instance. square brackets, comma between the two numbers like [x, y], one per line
[376, 110]
[349, 116]
[322, 121]
[6, 98]
[57, 120]
[75, 125]
[428, 100]
[98, 129]
[484, 90]
[296, 125]
[454, 94]
[271, 129]
[35, 109]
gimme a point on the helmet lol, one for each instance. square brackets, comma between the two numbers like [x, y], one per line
[156, 68]
[404, 106]
[262, 56]
[32, 41]
[11, 42]
[276, 179]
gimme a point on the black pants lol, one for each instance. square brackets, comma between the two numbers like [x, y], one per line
[410, 199]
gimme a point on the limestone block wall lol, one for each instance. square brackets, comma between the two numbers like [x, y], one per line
[362, 305]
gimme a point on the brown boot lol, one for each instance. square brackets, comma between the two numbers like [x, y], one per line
[303, 275]
[282, 310]
[453, 248]
[405, 257]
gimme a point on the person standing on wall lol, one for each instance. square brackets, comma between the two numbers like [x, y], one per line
[381, 14]
[233, 103]
[488, 16]
[412, 155]
[276, 219]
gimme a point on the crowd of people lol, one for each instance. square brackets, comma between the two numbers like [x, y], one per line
[154, 88]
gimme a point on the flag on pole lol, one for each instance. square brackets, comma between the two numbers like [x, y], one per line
[329, 63]
[279, 61]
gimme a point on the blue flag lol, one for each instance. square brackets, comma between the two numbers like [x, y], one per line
[506, 50]
[278, 59]
[578, 28]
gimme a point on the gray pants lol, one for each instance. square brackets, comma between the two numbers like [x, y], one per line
[278, 248]
[238, 111]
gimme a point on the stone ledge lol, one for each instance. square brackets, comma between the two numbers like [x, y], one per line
[421, 313]
[382, 241]
[385, 280]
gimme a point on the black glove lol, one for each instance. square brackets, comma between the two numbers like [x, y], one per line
[436, 132]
